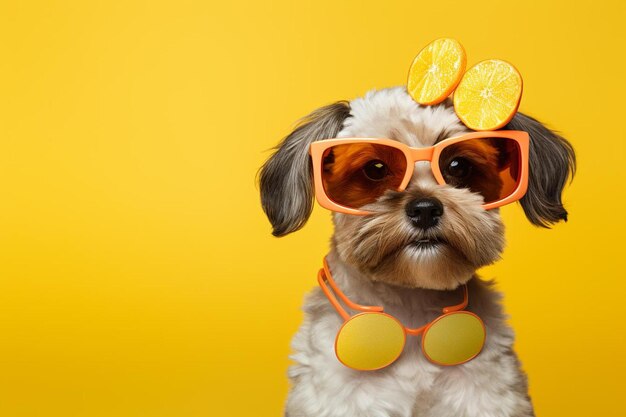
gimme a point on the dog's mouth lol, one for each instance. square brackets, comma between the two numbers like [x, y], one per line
[428, 242]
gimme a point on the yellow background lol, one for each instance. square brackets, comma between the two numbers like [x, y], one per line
[138, 276]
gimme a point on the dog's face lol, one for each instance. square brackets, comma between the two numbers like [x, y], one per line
[428, 235]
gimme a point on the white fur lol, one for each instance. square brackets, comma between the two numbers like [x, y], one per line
[491, 385]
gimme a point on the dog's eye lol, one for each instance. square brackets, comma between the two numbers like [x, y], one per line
[458, 168]
[329, 158]
[375, 170]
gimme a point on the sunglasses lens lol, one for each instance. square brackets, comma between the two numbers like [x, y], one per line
[454, 338]
[488, 166]
[370, 341]
[358, 174]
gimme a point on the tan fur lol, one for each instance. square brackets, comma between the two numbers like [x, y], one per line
[379, 245]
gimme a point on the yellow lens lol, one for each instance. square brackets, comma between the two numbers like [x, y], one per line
[370, 341]
[454, 338]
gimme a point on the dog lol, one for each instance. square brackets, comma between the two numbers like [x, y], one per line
[374, 260]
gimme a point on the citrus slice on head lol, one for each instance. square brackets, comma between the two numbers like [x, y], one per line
[436, 71]
[488, 95]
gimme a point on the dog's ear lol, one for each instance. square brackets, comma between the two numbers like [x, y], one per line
[552, 162]
[286, 177]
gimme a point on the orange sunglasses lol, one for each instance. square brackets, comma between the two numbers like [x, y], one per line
[373, 339]
[353, 172]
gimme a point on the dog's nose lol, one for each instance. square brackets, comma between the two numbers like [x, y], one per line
[424, 212]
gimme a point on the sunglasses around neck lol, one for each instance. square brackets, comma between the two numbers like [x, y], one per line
[373, 339]
[350, 173]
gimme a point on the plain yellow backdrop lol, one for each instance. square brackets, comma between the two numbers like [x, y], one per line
[138, 276]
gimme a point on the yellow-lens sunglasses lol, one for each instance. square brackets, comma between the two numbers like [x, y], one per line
[373, 339]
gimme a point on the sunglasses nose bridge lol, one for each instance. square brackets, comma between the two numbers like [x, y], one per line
[422, 154]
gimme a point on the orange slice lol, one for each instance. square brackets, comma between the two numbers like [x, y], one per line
[436, 71]
[488, 95]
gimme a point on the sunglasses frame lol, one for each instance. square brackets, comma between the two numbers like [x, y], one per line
[412, 155]
[324, 277]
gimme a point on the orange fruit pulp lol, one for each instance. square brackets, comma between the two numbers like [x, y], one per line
[488, 95]
[436, 71]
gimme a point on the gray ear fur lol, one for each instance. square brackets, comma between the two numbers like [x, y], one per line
[286, 177]
[552, 162]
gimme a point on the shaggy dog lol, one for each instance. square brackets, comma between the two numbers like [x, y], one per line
[374, 260]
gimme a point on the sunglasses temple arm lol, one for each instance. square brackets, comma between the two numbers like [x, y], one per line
[331, 297]
[342, 296]
[458, 306]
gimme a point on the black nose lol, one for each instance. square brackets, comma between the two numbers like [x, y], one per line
[424, 212]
